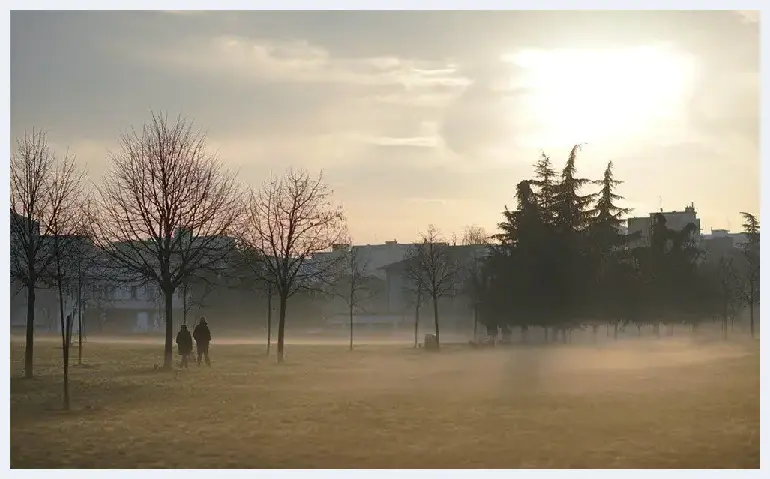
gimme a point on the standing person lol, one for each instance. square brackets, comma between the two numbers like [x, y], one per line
[184, 343]
[202, 337]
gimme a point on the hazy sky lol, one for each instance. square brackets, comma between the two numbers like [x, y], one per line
[416, 117]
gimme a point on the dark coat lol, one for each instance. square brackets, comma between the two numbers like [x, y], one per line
[184, 342]
[202, 335]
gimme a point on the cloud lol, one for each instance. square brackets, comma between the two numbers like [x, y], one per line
[298, 61]
[428, 138]
[436, 201]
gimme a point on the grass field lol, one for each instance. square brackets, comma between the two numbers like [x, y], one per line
[661, 404]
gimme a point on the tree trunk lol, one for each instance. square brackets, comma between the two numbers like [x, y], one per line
[608, 330]
[435, 320]
[417, 318]
[269, 316]
[524, 333]
[28, 349]
[65, 339]
[545, 334]
[80, 322]
[168, 358]
[656, 328]
[350, 310]
[615, 333]
[596, 333]
[475, 321]
[751, 313]
[639, 329]
[281, 322]
[184, 304]
[66, 356]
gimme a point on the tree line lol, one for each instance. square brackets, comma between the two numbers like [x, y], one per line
[168, 213]
[562, 261]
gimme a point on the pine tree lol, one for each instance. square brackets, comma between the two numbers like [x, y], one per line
[607, 218]
[605, 237]
[572, 214]
[546, 182]
[572, 209]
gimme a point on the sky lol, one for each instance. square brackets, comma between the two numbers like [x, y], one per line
[415, 118]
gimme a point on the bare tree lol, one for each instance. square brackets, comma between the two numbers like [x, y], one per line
[253, 276]
[351, 284]
[194, 291]
[729, 291]
[82, 260]
[415, 289]
[290, 220]
[166, 208]
[437, 270]
[84, 263]
[473, 271]
[751, 253]
[35, 172]
[476, 235]
[65, 197]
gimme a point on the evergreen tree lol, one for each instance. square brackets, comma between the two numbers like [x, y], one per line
[607, 218]
[751, 255]
[546, 182]
[572, 214]
[606, 256]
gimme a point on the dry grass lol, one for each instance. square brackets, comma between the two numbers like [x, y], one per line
[651, 405]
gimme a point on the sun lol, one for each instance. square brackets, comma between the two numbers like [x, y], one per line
[599, 95]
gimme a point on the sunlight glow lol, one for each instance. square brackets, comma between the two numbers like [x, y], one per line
[577, 96]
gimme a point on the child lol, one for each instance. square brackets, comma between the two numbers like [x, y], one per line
[185, 344]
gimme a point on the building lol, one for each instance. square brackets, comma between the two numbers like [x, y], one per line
[641, 227]
[724, 237]
[372, 257]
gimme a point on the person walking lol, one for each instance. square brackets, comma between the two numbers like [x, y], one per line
[185, 344]
[202, 336]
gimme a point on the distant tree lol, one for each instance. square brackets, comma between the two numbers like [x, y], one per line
[751, 253]
[352, 284]
[165, 209]
[254, 277]
[728, 292]
[65, 196]
[436, 269]
[84, 260]
[475, 235]
[35, 177]
[290, 220]
[416, 290]
[474, 280]
[194, 290]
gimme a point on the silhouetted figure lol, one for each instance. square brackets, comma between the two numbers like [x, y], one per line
[202, 337]
[185, 344]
